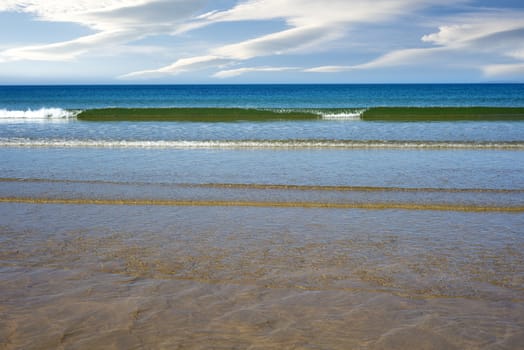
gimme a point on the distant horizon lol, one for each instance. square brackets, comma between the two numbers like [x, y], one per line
[247, 84]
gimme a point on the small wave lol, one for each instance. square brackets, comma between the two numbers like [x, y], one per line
[350, 115]
[277, 204]
[259, 144]
[268, 186]
[37, 115]
[326, 114]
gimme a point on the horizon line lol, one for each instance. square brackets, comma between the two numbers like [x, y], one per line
[246, 84]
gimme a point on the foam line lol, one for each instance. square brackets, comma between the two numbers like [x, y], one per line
[260, 144]
[37, 115]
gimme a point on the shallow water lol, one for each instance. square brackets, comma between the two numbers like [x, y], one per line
[127, 236]
[249, 261]
[496, 169]
[282, 130]
[87, 276]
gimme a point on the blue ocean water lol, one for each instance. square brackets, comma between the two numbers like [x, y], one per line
[26, 112]
[260, 96]
[37, 123]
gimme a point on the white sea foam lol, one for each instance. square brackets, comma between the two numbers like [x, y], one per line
[350, 115]
[36, 115]
[258, 144]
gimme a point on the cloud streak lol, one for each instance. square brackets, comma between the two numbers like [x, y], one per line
[503, 70]
[287, 41]
[490, 41]
[114, 22]
[312, 25]
[487, 36]
[239, 71]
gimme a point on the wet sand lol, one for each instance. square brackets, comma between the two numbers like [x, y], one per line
[84, 276]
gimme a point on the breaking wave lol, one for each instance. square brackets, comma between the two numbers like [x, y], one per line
[326, 114]
[37, 115]
[349, 115]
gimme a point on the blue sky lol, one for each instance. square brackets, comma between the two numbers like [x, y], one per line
[260, 41]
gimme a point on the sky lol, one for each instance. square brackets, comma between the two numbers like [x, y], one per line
[260, 41]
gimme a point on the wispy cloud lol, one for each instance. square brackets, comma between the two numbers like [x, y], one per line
[312, 24]
[403, 57]
[329, 69]
[67, 50]
[181, 66]
[114, 22]
[488, 40]
[489, 36]
[235, 72]
[504, 70]
[291, 40]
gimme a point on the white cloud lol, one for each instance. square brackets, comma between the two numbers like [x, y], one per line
[329, 69]
[404, 57]
[290, 40]
[235, 72]
[504, 70]
[391, 59]
[475, 27]
[473, 40]
[66, 50]
[105, 14]
[277, 43]
[299, 13]
[488, 40]
[180, 66]
[312, 24]
[517, 54]
[115, 22]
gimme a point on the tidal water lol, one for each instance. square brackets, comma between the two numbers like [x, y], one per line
[326, 234]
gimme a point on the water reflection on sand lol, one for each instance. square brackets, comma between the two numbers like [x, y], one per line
[98, 276]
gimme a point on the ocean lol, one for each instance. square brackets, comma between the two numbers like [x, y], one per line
[335, 232]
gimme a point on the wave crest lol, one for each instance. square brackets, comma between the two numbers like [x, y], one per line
[349, 115]
[327, 114]
[37, 115]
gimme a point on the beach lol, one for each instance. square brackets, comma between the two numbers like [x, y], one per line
[117, 276]
[320, 230]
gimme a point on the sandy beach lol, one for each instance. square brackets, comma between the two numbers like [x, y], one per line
[98, 276]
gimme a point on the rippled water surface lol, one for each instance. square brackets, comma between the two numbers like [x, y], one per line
[312, 130]
[279, 235]
[99, 276]
[370, 249]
